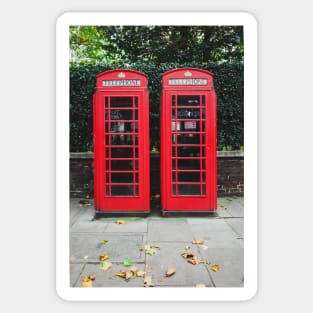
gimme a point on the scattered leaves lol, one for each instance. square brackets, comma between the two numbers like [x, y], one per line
[187, 248]
[200, 285]
[120, 222]
[147, 281]
[104, 241]
[170, 271]
[198, 242]
[150, 250]
[160, 280]
[127, 262]
[194, 261]
[132, 272]
[85, 257]
[104, 257]
[215, 268]
[105, 265]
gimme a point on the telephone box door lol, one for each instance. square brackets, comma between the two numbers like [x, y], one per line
[121, 154]
[188, 141]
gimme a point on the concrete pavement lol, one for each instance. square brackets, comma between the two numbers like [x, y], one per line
[222, 233]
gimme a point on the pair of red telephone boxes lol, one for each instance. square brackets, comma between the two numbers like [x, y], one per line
[187, 142]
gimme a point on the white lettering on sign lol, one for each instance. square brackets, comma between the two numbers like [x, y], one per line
[188, 81]
[124, 82]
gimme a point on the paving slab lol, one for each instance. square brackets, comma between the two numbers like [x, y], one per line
[169, 230]
[237, 224]
[216, 233]
[129, 227]
[75, 271]
[231, 266]
[232, 206]
[169, 254]
[107, 278]
[87, 247]
[88, 227]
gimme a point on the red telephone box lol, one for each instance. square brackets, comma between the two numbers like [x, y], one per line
[121, 142]
[188, 141]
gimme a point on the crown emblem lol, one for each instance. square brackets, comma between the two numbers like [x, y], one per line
[187, 74]
[121, 75]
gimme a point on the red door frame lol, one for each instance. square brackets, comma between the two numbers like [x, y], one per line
[170, 201]
[112, 84]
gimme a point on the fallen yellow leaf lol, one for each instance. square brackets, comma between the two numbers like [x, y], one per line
[147, 281]
[170, 271]
[87, 281]
[129, 274]
[187, 255]
[140, 273]
[215, 268]
[198, 242]
[160, 280]
[104, 257]
[120, 222]
[121, 274]
[105, 265]
[200, 285]
[194, 261]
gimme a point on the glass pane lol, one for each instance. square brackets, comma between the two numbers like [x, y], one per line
[174, 189]
[188, 100]
[121, 177]
[122, 152]
[188, 138]
[122, 127]
[121, 102]
[186, 126]
[189, 164]
[188, 151]
[122, 165]
[188, 177]
[122, 140]
[119, 114]
[189, 113]
[192, 190]
[122, 190]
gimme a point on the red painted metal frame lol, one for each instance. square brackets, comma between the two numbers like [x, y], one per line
[182, 88]
[118, 85]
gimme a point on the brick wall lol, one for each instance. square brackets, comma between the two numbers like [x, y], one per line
[229, 178]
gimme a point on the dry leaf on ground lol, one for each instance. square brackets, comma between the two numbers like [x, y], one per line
[170, 271]
[104, 241]
[147, 281]
[104, 257]
[87, 281]
[187, 255]
[84, 203]
[160, 280]
[200, 285]
[120, 222]
[140, 273]
[194, 261]
[105, 265]
[198, 242]
[215, 268]
[121, 274]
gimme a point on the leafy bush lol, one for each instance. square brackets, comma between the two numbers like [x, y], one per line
[228, 80]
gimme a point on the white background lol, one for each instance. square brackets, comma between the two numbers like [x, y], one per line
[27, 129]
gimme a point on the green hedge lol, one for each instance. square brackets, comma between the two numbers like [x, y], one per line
[228, 80]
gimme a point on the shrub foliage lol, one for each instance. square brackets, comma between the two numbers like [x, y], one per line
[228, 80]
